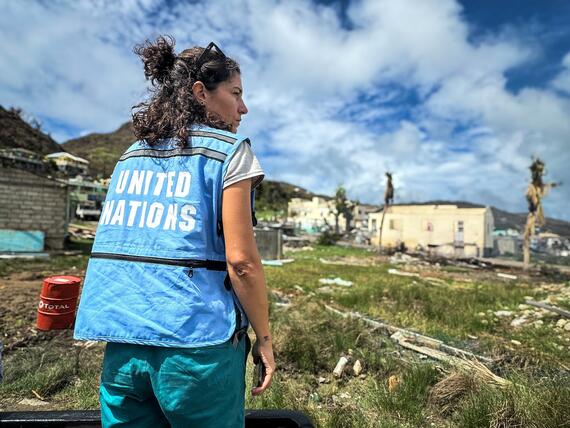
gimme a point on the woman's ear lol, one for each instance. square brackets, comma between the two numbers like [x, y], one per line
[199, 91]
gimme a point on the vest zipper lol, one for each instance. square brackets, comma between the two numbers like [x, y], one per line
[191, 264]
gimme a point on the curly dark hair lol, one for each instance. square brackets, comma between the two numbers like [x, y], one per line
[172, 108]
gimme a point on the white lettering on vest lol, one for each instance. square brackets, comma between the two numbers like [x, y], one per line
[122, 182]
[183, 184]
[107, 210]
[147, 181]
[170, 184]
[187, 212]
[134, 207]
[143, 214]
[119, 214]
[136, 184]
[160, 176]
[155, 212]
[171, 217]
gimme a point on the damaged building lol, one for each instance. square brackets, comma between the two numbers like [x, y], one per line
[449, 230]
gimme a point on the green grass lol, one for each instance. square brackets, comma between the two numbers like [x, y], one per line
[309, 340]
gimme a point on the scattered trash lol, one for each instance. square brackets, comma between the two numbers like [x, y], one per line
[25, 256]
[337, 372]
[516, 342]
[503, 313]
[402, 273]
[506, 276]
[517, 322]
[549, 308]
[402, 258]
[357, 368]
[470, 336]
[403, 335]
[299, 288]
[393, 382]
[326, 289]
[276, 262]
[322, 380]
[336, 281]
[34, 402]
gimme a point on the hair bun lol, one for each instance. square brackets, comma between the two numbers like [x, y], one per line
[158, 58]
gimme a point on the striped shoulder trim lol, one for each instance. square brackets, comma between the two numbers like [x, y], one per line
[193, 151]
[221, 137]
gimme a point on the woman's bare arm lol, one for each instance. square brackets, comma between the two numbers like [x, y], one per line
[245, 269]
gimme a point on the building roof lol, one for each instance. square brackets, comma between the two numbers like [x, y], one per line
[67, 155]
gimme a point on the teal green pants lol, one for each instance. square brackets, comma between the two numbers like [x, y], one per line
[151, 386]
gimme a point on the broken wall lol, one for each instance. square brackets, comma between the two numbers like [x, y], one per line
[33, 202]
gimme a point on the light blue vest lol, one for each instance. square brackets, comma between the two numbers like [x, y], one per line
[157, 273]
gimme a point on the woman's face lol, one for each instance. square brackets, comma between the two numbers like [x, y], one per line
[226, 101]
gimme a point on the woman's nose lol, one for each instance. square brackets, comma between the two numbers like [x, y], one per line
[242, 109]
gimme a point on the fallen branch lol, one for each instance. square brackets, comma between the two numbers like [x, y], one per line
[471, 366]
[559, 311]
[419, 338]
[402, 273]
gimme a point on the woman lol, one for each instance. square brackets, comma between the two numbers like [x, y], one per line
[174, 275]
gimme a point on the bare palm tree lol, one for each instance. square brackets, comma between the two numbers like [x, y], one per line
[341, 206]
[388, 199]
[535, 192]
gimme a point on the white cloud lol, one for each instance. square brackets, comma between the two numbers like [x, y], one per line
[406, 89]
[562, 81]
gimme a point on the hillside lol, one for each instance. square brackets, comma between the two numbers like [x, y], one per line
[274, 195]
[102, 150]
[17, 133]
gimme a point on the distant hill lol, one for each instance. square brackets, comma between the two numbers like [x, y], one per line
[15, 132]
[102, 150]
[274, 195]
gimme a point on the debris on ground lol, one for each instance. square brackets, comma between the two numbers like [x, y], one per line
[441, 350]
[276, 262]
[393, 382]
[340, 366]
[554, 309]
[357, 368]
[281, 299]
[33, 402]
[83, 232]
[402, 273]
[348, 261]
[506, 275]
[336, 281]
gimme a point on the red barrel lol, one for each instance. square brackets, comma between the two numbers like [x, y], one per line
[58, 301]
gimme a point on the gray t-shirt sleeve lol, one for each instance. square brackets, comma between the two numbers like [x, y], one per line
[243, 165]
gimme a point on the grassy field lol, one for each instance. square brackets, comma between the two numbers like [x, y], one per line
[467, 308]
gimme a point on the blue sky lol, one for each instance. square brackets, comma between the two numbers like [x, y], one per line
[453, 97]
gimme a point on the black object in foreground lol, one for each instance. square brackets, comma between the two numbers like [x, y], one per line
[92, 418]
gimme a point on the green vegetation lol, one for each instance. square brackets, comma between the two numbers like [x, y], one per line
[458, 308]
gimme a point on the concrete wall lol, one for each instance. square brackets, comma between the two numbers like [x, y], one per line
[32, 202]
[436, 225]
[269, 243]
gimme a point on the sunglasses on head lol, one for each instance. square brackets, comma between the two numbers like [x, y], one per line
[202, 58]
